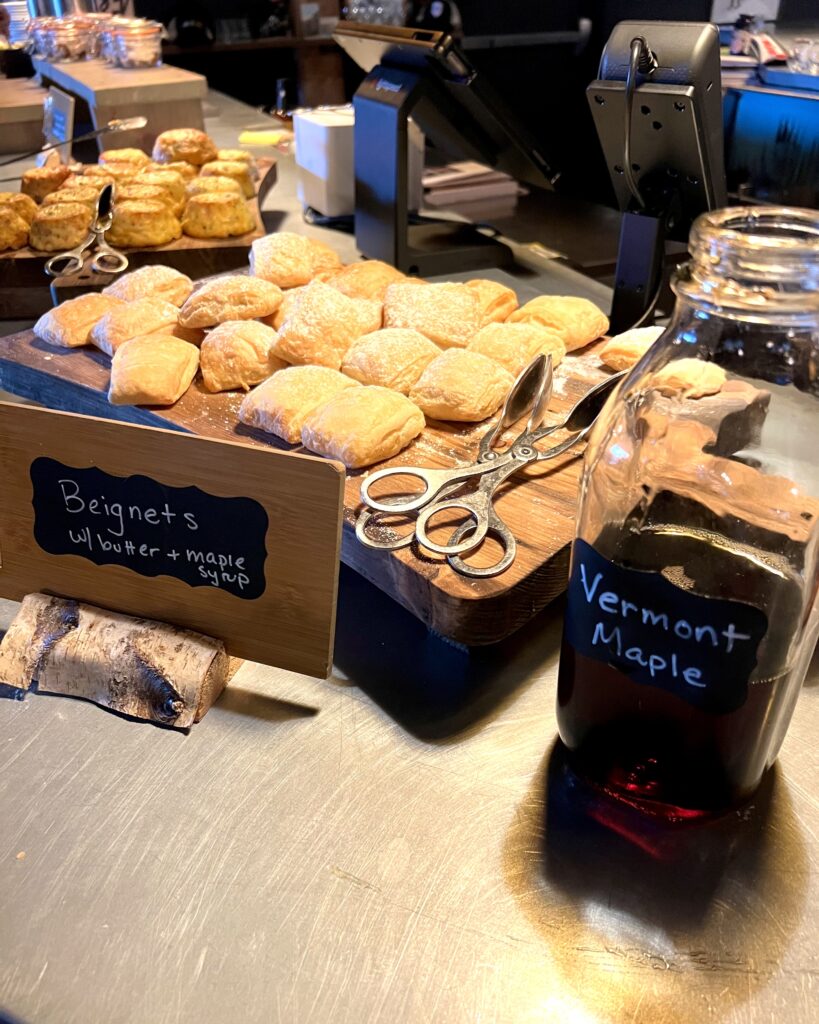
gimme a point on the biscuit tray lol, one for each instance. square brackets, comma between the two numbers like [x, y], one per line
[26, 290]
[538, 504]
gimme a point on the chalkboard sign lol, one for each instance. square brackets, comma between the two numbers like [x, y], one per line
[703, 649]
[230, 540]
[153, 529]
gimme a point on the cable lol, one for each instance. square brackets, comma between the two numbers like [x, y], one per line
[641, 60]
[648, 314]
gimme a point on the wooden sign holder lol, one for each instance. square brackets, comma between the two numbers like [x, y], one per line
[100, 512]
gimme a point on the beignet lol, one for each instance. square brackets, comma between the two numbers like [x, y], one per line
[322, 324]
[461, 385]
[282, 404]
[362, 426]
[238, 354]
[390, 358]
[445, 313]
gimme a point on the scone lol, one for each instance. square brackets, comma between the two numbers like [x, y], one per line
[95, 184]
[688, 378]
[133, 192]
[172, 182]
[461, 385]
[516, 345]
[290, 260]
[217, 215]
[127, 155]
[577, 321]
[156, 282]
[200, 186]
[153, 370]
[188, 144]
[38, 182]
[132, 319]
[238, 170]
[143, 222]
[446, 313]
[627, 349]
[119, 172]
[59, 227]
[495, 301]
[367, 279]
[238, 354]
[86, 195]
[241, 156]
[23, 205]
[230, 298]
[69, 324]
[282, 404]
[362, 426]
[392, 358]
[185, 170]
[13, 229]
[323, 324]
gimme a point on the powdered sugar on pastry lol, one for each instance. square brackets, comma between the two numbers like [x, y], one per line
[238, 354]
[445, 313]
[281, 405]
[322, 324]
[361, 426]
[461, 385]
[576, 320]
[392, 358]
[230, 298]
[290, 260]
[515, 345]
[152, 282]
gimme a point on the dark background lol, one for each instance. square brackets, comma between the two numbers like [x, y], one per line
[544, 85]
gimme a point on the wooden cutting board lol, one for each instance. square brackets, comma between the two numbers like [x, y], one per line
[26, 291]
[538, 504]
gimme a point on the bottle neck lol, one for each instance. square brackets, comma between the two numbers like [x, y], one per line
[759, 264]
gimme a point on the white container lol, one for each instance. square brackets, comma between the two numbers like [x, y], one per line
[324, 161]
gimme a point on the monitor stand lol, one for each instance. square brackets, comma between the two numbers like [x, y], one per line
[638, 278]
[383, 104]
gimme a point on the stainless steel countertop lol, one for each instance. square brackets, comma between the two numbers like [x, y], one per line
[399, 843]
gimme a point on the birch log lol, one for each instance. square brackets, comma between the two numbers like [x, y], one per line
[138, 667]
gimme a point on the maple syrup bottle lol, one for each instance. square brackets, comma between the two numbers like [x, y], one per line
[692, 603]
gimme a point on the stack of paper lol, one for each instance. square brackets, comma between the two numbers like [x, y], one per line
[465, 182]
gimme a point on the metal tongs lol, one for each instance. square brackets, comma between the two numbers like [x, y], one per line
[530, 393]
[105, 259]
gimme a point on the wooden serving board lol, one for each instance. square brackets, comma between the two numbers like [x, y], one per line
[538, 504]
[26, 291]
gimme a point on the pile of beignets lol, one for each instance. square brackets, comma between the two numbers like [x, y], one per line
[187, 186]
[347, 360]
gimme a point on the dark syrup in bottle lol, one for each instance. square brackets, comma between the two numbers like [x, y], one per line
[652, 746]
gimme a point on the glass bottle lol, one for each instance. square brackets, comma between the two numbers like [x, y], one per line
[692, 605]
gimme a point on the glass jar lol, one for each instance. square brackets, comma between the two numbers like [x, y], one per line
[38, 35]
[139, 45]
[107, 37]
[66, 40]
[97, 23]
[692, 606]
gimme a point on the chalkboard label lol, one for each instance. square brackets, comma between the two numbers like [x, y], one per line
[153, 529]
[703, 649]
